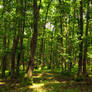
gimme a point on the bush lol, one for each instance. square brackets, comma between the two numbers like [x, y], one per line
[79, 78]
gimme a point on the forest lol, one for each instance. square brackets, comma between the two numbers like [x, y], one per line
[45, 45]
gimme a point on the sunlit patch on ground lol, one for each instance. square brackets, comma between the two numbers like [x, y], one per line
[37, 85]
[2, 83]
[37, 76]
[45, 81]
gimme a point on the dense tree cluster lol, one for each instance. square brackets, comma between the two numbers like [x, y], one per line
[38, 34]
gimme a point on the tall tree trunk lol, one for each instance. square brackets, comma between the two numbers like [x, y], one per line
[4, 43]
[73, 32]
[33, 40]
[23, 60]
[4, 58]
[42, 40]
[80, 38]
[15, 45]
[50, 65]
[61, 28]
[86, 42]
[22, 24]
[66, 29]
[24, 14]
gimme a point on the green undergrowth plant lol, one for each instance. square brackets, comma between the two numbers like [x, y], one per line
[67, 73]
[80, 78]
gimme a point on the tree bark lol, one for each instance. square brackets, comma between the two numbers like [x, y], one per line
[33, 40]
[4, 43]
[86, 42]
[61, 28]
[22, 25]
[15, 45]
[42, 40]
[80, 39]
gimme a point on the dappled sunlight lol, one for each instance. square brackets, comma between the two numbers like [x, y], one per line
[2, 83]
[90, 75]
[45, 46]
[63, 82]
[37, 85]
[50, 78]
[38, 76]
[45, 81]
[17, 84]
[49, 74]
[54, 81]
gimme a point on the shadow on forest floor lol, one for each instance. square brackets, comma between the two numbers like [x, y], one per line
[19, 84]
[45, 81]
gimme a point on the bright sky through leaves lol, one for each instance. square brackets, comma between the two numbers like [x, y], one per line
[49, 26]
[0, 6]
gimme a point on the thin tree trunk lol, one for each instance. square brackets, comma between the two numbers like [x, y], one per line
[80, 38]
[15, 45]
[61, 27]
[73, 32]
[22, 24]
[4, 43]
[23, 60]
[42, 40]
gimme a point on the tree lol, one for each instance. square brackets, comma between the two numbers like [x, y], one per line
[4, 42]
[86, 40]
[15, 43]
[34, 39]
[80, 38]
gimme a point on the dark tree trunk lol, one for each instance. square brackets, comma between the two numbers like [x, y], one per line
[86, 42]
[33, 40]
[24, 14]
[22, 24]
[80, 38]
[4, 43]
[18, 64]
[61, 28]
[15, 44]
[73, 32]
[23, 60]
[4, 57]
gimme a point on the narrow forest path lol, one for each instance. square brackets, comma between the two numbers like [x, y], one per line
[45, 81]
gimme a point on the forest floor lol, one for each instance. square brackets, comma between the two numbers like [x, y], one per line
[45, 81]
